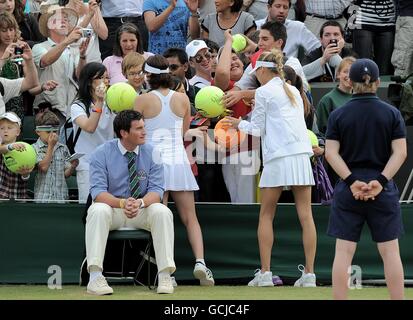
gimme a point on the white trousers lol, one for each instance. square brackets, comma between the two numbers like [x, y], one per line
[240, 177]
[82, 178]
[157, 219]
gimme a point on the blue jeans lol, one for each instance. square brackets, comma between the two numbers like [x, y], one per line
[377, 46]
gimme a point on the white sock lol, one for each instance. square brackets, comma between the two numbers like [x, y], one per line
[94, 272]
[164, 274]
[200, 261]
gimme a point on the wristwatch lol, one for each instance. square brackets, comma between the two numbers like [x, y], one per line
[142, 204]
[10, 147]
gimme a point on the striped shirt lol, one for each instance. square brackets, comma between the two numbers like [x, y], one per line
[375, 14]
[51, 186]
[326, 8]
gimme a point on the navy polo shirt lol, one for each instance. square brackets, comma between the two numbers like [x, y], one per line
[365, 127]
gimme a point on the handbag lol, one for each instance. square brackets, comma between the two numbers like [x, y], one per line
[322, 191]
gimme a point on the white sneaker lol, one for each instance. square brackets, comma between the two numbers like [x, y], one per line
[261, 279]
[99, 287]
[174, 283]
[165, 284]
[203, 274]
[307, 280]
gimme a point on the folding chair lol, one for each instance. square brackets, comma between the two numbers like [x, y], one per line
[126, 235]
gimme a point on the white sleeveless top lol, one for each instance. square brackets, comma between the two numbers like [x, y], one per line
[164, 132]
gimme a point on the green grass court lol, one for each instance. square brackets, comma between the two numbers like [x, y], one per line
[130, 292]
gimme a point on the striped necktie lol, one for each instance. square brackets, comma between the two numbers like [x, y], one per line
[133, 175]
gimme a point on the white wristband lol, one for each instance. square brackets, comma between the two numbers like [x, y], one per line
[142, 204]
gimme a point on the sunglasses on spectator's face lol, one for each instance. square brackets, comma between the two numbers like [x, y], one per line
[198, 58]
[174, 67]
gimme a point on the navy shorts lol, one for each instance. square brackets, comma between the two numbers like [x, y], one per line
[348, 215]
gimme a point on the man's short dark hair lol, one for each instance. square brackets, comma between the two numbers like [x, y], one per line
[123, 121]
[331, 23]
[277, 31]
[270, 2]
[178, 53]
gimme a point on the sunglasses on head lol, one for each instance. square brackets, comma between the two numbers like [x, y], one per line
[199, 57]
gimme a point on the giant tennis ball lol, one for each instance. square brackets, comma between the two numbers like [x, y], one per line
[208, 102]
[313, 138]
[15, 159]
[227, 136]
[238, 42]
[120, 96]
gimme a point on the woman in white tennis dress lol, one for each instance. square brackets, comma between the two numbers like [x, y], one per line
[278, 117]
[167, 118]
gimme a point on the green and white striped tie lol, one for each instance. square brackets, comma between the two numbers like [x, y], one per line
[133, 175]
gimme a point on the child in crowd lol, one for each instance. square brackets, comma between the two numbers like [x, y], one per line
[12, 185]
[132, 70]
[52, 165]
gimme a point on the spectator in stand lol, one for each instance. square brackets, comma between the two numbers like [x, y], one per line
[241, 163]
[257, 8]
[128, 39]
[320, 64]
[132, 70]
[116, 13]
[228, 16]
[179, 67]
[373, 37]
[402, 58]
[200, 58]
[57, 59]
[91, 114]
[273, 35]
[336, 97]
[52, 165]
[297, 33]
[168, 22]
[27, 22]
[12, 185]
[320, 11]
[90, 17]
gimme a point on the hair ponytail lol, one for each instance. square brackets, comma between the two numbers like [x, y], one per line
[277, 57]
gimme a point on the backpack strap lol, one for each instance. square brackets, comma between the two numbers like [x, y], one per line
[79, 130]
[1, 88]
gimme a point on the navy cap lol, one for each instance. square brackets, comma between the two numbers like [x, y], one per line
[364, 67]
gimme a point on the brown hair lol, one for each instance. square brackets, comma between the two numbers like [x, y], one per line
[7, 20]
[131, 60]
[277, 57]
[126, 28]
[162, 80]
[296, 81]
[46, 118]
[346, 61]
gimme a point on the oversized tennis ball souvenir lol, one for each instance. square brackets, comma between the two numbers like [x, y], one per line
[15, 159]
[313, 138]
[228, 136]
[120, 96]
[208, 102]
[239, 43]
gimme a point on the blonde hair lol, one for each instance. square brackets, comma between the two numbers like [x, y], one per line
[277, 57]
[366, 86]
[131, 60]
[346, 61]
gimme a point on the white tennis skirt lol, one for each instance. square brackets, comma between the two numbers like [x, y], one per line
[287, 171]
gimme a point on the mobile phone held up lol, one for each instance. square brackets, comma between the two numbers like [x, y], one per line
[334, 41]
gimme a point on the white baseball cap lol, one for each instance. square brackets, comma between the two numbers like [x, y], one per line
[11, 116]
[194, 46]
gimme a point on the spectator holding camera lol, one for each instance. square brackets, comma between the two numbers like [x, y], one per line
[12, 52]
[94, 27]
[58, 59]
[52, 164]
[321, 63]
